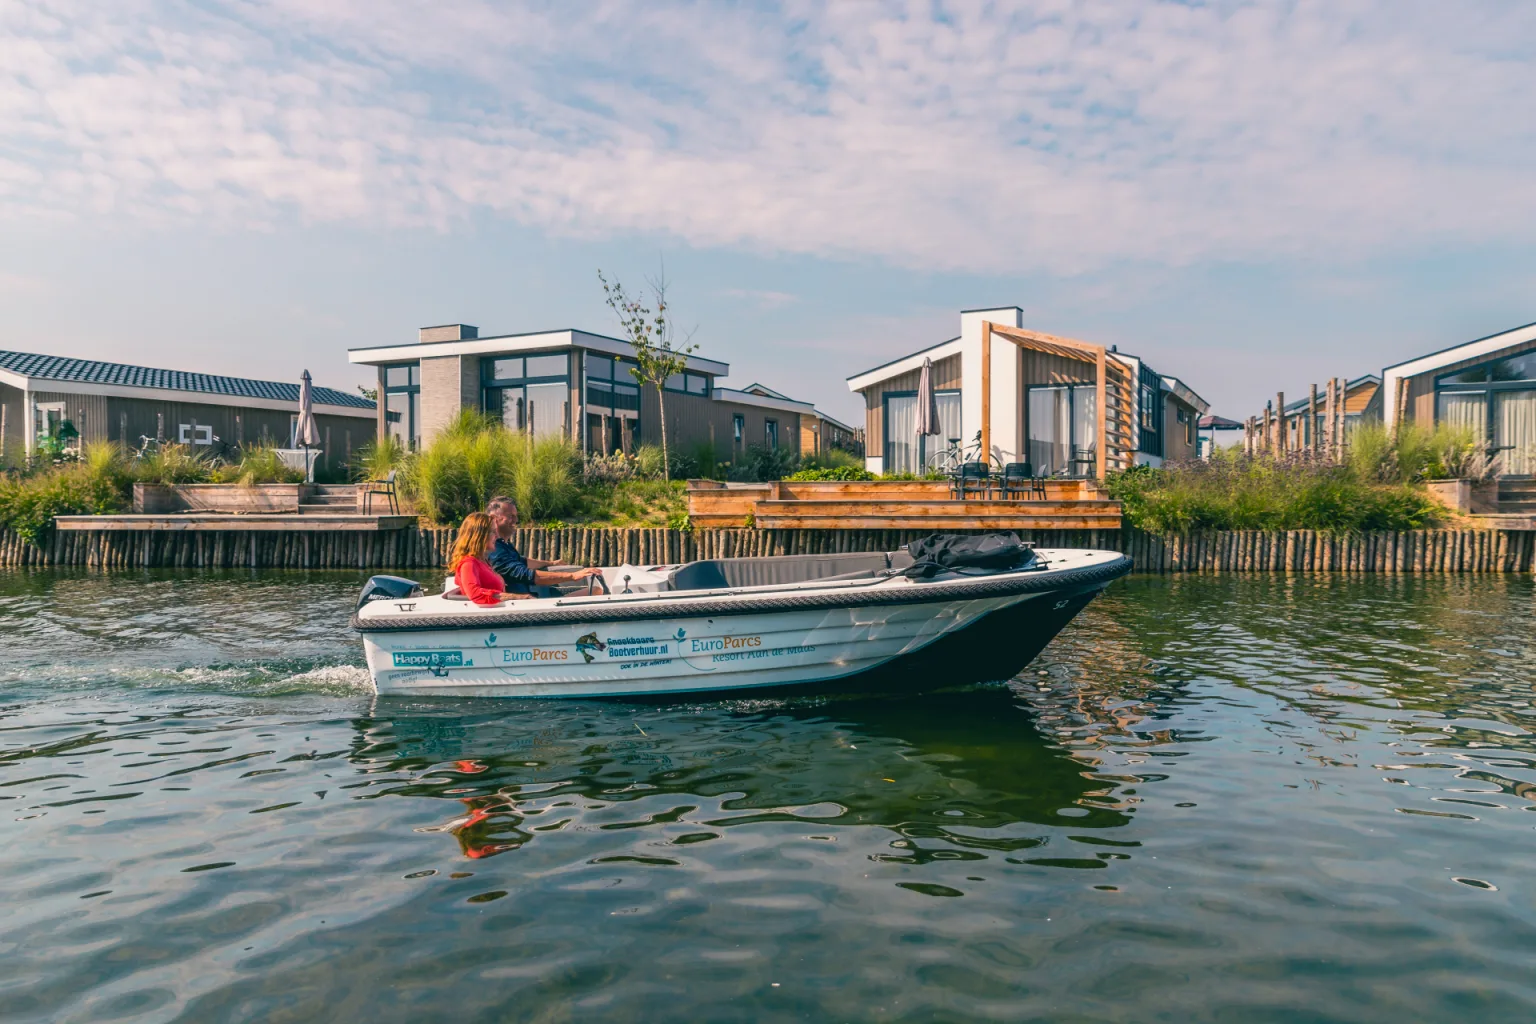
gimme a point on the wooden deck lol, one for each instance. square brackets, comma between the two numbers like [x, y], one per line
[223, 523]
[894, 505]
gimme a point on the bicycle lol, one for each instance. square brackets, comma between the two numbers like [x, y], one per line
[949, 461]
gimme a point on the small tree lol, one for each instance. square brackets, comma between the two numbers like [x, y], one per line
[650, 332]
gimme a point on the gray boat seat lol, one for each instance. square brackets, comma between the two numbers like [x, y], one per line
[716, 573]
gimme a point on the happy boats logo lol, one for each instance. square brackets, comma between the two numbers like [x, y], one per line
[587, 644]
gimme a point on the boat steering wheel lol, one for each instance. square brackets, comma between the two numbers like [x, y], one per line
[593, 582]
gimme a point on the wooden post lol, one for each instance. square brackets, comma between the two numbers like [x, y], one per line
[986, 389]
[1280, 438]
[1102, 462]
[1327, 421]
[1312, 421]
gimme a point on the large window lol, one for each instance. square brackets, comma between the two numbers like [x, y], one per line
[402, 403]
[688, 383]
[1496, 401]
[1063, 429]
[531, 394]
[1150, 420]
[905, 450]
[612, 395]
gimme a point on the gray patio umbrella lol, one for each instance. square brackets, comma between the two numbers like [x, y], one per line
[307, 433]
[927, 405]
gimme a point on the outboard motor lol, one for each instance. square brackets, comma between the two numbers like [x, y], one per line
[388, 588]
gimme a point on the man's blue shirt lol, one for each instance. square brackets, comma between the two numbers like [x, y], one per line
[511, 566]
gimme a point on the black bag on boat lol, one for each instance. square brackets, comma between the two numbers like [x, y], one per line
[995, 551]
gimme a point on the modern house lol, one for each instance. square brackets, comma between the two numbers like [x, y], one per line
[826, 433]
[572, 384]
[55, 399]
[1066, 407]
[1362, 401]
[1487, 385]
[818, 431]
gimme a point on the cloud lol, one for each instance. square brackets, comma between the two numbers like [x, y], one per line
[762, 299]
[1049, 136]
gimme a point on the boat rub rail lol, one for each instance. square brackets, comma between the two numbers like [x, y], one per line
[1002, 585]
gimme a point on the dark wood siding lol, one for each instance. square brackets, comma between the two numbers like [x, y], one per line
[693, 420]
[946, 377]
[130, 420]
[1176, 447]
[1421, 387]
[13, 438]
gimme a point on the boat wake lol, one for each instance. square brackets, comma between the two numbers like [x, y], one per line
[254, 679]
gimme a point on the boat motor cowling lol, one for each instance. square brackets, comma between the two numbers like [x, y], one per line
[388, 588]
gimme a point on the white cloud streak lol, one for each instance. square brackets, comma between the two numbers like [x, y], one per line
[1055, 135]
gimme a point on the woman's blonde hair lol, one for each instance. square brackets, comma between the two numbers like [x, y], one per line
[474, 537]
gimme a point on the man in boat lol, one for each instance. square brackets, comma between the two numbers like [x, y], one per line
[523, 575]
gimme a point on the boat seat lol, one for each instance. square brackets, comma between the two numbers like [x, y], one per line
[716, 573]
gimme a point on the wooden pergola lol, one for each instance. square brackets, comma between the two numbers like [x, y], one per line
[1115, 390]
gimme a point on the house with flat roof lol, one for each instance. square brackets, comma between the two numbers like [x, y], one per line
[572, 384]
[1487, 385]
[47, 398]
[1066, 407]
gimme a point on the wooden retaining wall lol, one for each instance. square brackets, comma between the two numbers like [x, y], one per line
[415, 549]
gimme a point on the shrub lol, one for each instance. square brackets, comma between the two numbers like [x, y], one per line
[94, 484]
[374, 461]
[171, 464]
[1237, 492]
[837, 473]
[476, 459]
[648, 461]
[760, 464]
[259, 464]
[833, 458]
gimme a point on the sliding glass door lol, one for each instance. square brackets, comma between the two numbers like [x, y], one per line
[905, 451]
[1514, 428]
[1063, 429]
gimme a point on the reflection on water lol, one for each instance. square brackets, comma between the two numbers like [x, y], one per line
[1212, 798]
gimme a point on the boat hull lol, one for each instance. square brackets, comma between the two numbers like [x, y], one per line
[912, 644]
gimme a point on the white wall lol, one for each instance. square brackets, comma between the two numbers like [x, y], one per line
[1006, 442]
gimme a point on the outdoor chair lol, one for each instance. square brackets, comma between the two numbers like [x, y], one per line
[385, 487]
[1085, 462]
[1019, 479]
[971, 478]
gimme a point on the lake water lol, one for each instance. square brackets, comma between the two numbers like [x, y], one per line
[1223, 798]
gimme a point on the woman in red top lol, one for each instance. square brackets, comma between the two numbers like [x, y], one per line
[474, 575]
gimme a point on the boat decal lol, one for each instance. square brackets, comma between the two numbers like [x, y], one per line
[512, 654]
[429, 659]
[753, 655]
[638, 647]
[588, 643]
[724, 643]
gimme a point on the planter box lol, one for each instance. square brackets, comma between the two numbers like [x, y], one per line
[1468, 497]
[159, 499]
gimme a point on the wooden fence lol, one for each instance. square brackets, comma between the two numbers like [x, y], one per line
[415, 549]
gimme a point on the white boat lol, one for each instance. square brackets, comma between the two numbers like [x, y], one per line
[733, 624]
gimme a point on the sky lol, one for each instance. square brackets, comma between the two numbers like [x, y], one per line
[1252, 196]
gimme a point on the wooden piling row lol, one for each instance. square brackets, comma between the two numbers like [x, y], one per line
[1417, 551]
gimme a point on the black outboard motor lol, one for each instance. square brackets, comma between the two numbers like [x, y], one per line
[388, 588]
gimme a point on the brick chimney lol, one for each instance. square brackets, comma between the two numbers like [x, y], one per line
[449, 332]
